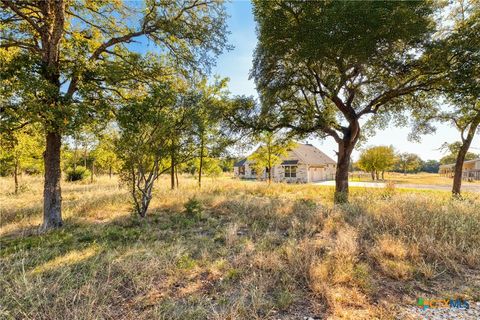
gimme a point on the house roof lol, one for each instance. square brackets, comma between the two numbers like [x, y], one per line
[306, 153]
[450, 165]
[311, 155]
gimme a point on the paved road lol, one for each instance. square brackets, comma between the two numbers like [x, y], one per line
[471, 188]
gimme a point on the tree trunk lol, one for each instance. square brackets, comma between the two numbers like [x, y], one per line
[146, 197]
[466, 142]
[377, 174]
[383, 175]
[15, 176]
[201, 164]
[176, 175]
[93, 171]
[269, 175]
[85, 158]
[52, 203]
[172, 170]
[345, 149]
[110, 172]
[373, 175]
[341, 175]
[75, 158]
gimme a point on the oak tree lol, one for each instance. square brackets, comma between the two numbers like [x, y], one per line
[63, 61]
[322, 66]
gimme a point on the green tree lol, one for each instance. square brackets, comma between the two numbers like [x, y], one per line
[63, 62]
[210, 128]
[106, 158]
[452, 153]
[430, 166]
[21, 151]
[272, 148]
[408, 162]
[144, 145]
[377, 159]
[459, 53]
[320, 67]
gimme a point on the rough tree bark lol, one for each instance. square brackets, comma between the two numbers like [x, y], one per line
[52, 205]
[345, 148]
[466, 142]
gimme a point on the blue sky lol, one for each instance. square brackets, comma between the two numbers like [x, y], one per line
[237, 63]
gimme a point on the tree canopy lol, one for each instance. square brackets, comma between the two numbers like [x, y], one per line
[63, 63]
[377, 159]
[273, 146]
[321, 66]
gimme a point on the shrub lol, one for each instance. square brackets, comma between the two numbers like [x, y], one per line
[193, 208]
[77, 174]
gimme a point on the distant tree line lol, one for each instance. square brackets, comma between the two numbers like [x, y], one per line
[380, 159]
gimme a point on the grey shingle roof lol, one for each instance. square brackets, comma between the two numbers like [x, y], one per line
[311, 155]
[304, 153]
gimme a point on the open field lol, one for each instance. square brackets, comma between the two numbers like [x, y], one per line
[422, 178]
[235, 250]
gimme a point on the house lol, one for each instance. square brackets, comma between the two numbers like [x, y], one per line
[303, 163]
[470, 171]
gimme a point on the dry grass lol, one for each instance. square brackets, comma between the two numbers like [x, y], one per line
[238, 250]
[421, 178]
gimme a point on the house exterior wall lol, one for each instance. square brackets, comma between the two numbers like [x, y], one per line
[321, 173]
[304, 172]
[301, 175]
[470, 170]
[469, 166]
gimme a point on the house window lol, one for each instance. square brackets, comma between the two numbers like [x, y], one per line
[253, 172]
[290, 171]
[241, 170]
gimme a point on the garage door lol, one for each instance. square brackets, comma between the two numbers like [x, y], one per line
[316, 174]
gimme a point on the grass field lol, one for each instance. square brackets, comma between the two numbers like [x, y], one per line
[422, 178]
[235, 250]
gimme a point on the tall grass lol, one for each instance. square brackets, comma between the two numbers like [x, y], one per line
[234, 250]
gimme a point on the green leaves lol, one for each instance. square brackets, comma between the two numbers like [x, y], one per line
[319, 65]
[87, 63]
[380, 158]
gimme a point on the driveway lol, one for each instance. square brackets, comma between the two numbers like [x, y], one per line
[470, 188]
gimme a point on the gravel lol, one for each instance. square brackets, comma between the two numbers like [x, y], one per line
[415, 312]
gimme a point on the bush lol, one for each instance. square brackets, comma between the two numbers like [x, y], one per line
[77, 174]
[193, 208]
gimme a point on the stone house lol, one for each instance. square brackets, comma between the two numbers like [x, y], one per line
[303, 163]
